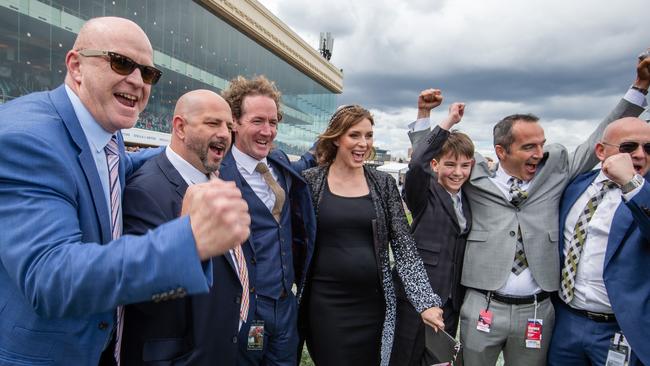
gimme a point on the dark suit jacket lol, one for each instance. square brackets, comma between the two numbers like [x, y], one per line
[440, 242]
[197, 330]
[627, 256]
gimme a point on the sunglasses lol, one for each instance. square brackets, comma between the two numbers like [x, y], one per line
[125, 66]
[630, 147]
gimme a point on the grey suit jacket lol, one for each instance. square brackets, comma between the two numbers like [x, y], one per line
[491, 242]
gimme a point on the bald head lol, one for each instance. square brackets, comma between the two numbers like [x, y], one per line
[627, 131]
[113, 99]
[201, 132]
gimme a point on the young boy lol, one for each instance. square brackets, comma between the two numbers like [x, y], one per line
[441, 221]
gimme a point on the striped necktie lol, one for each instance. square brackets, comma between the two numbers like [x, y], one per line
[573, 249]
[518, 196]
[115, 192]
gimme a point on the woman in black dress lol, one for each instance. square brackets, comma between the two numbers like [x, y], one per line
[349, 303]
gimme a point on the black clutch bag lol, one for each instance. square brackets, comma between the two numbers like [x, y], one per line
[441, 349]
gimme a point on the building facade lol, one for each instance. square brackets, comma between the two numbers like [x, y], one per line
[198, 44]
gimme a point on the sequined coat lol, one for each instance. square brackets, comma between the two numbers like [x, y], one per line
[390, 230]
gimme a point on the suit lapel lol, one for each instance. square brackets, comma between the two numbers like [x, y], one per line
[480, 178]
[172, 175]
[63, 106]
[445, 199]
[622, 226]
[571, 194]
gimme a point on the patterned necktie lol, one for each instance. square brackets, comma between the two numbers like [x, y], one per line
[243, 278]
[275, 187]
[459, 212]
[113, 161]
[573, 249]
[518, 195]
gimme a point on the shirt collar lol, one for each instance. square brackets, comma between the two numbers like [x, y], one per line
[190, 174]
[245, 161]
[503, 177]
[600, 179]
[96, 135]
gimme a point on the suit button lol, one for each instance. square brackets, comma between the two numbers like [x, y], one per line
[284, 253]
[253, 260]
[102, 325]
[512, 233]
[253, 289]
[237, 299]
[517, 209]
[234, 339]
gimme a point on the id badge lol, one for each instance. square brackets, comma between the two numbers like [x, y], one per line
[256, 336]
[484, 321]
[534, 333]
[619, 351]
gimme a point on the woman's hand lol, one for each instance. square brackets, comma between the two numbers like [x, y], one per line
[433, 318]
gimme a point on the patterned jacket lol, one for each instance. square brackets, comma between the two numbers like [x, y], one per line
[390, 230]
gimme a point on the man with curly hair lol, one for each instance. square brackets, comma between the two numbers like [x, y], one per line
[283, 226]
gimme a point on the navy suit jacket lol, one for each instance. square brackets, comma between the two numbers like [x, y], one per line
[303, 219]
[196, 330]
[59, 283]
[627, 261]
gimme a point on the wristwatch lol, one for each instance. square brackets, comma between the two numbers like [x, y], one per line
[634, 183]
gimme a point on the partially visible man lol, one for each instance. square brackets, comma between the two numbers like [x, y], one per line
[199, 329]
[64, 265]
[605, 252]
[282, 220]
[510, 266]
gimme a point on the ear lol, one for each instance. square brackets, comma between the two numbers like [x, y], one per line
[473, 163]
[73, 65]
[235, 123]
[501, 151]
[178, 124]
[435, 165]
[336, 143]
[599, 149]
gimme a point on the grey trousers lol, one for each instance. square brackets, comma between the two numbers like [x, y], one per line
[507, 334]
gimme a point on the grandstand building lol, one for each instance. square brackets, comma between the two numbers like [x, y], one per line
[199, 44]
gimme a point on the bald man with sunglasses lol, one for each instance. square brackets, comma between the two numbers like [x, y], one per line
[65, 268]
[604, 252]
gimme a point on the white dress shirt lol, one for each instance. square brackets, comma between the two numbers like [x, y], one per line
[523, 284]
[590, 292]
[246, 167]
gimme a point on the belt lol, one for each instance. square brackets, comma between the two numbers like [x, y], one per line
[591, 315]
[516, 300]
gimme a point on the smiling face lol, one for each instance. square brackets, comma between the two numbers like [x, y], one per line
[626, 130]
[202, 127]
[257, 127]
[355, 145]
[452, 171]
[521, 160]
[114, 100]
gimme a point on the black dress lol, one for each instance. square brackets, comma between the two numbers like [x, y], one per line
[346, 304]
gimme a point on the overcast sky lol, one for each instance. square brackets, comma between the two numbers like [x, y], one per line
[569, 62]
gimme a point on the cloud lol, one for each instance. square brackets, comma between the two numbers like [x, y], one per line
[567, 61]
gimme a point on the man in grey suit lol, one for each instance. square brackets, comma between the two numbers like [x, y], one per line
[511, 264]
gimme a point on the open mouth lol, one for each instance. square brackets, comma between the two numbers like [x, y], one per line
[128, 100]
[262, 143]
[531, 168]
[638, 168]
[358, 156]
[218, 149]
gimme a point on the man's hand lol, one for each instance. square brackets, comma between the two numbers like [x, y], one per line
[643, 71]
[619, 168]
[428, 99]
[456, 112]
[433, 318]
[218, 216]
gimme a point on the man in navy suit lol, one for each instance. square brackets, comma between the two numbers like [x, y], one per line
[282, 226]
[200, 329]
[605, 252]
[64, 267]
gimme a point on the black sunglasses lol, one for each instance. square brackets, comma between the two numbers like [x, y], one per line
[124, 65]
[630, 147]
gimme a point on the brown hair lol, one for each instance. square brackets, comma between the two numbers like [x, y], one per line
[341, 121]
[502, 132]
[240, 87]
[458, 144]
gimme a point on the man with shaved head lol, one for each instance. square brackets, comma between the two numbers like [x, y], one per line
[198, 329]
[65, 267]
[605, 253]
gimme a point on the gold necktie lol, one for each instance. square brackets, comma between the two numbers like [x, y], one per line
[275, 187]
